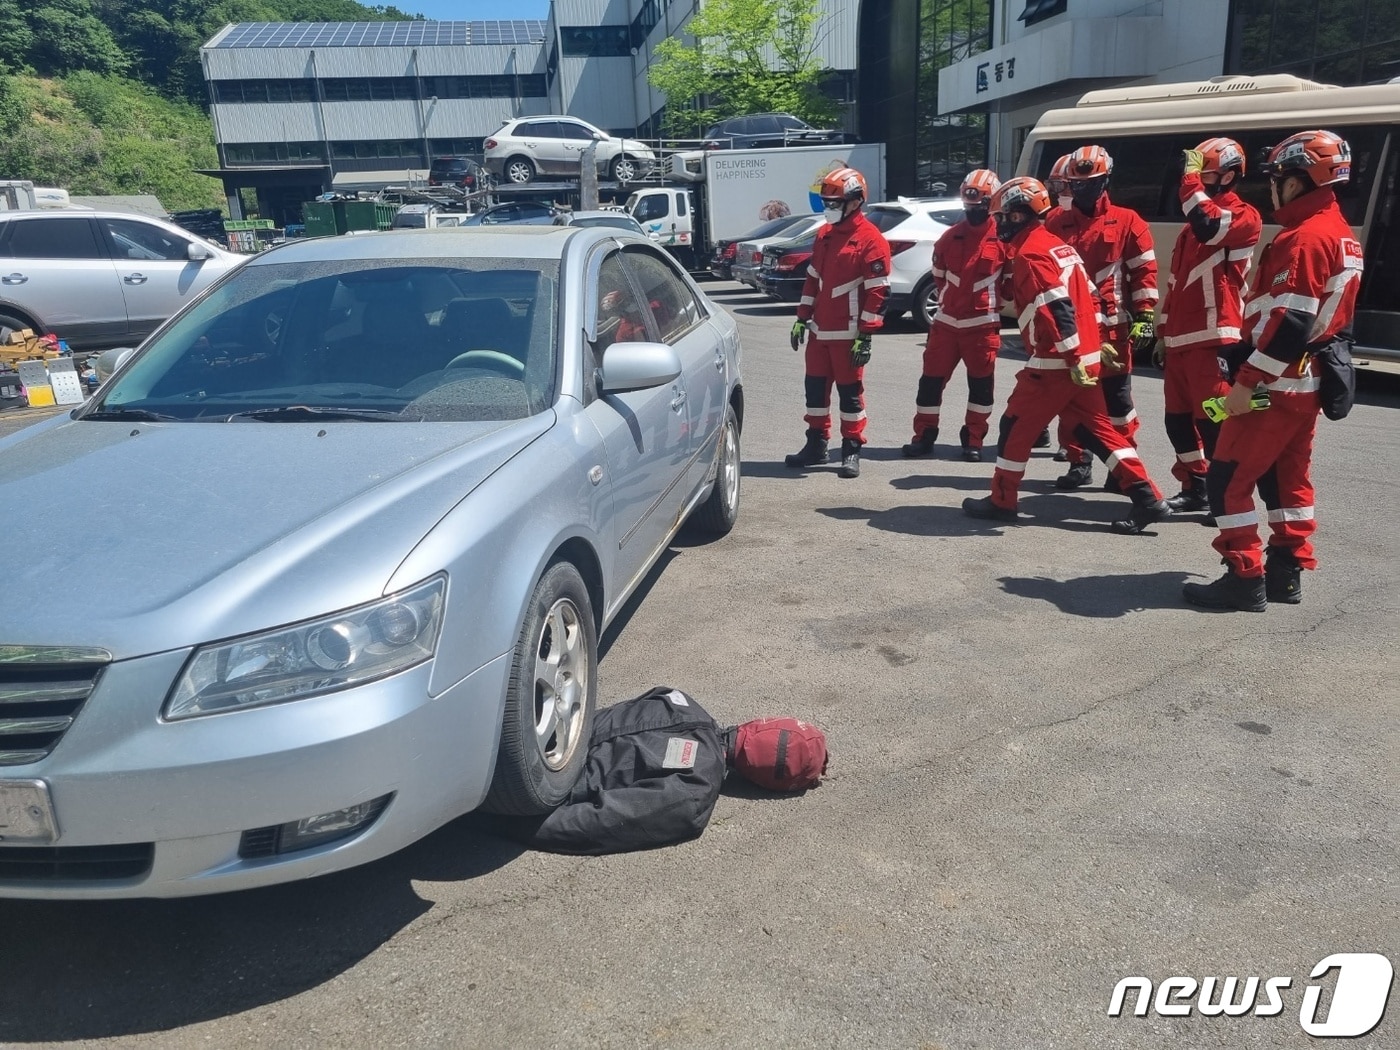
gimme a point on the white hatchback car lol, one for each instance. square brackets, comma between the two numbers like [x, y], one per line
[554, 145]
[98, 279]
[912, 225]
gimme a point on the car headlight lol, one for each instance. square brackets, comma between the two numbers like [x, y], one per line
[309, 659]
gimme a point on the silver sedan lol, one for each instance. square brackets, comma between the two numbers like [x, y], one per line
[351, 526]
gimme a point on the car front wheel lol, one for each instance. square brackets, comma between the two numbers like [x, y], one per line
[519, 170]
[718, 514]
[925, 303]
[624, 168]
[550, 699]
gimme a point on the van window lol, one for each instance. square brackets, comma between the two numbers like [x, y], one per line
[1146, 168]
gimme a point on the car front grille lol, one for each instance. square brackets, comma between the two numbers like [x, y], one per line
[75, 863]
[42, 689]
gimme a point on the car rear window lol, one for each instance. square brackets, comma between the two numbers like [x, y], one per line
[886, 219]
[401, 340]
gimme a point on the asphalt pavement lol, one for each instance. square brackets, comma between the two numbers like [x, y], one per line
[1047, 775]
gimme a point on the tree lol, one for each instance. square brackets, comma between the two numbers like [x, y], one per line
[749, 56]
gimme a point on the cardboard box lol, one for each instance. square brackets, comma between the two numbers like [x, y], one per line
[20, 335]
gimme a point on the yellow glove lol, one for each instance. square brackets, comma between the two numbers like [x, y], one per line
[1195, 161]
[798, 334]
[1108, 359]
[1079, 375]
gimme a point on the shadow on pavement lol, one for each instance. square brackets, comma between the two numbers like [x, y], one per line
[962, 483]
[763, 308]
[630, 607]
[1103, 597]
[79, 970]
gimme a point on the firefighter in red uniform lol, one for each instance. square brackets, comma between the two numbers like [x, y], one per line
[968, 260]
[1200, 315]
[847, 281]
[1116, 246]
[1303, 300]
[1052, 298]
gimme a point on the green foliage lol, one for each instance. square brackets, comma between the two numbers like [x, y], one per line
[748, 56]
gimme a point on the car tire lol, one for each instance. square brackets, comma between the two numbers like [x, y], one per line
[519, 170]
[624, 168]
[718, 514]
[925, 303]
[11, 323]
[550, 699]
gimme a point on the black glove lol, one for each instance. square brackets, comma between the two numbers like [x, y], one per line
[860, 351]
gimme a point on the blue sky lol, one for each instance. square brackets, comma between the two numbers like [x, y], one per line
[471, 10]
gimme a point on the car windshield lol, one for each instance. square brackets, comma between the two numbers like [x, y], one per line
[400, 340]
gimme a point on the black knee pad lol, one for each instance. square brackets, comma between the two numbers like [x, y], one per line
[850, 396]
[1004, 432]
[1181, 431]
[979, 390]
[1268, 488]
[931, 390]
[1085, 439]
[1118, 394]
[816, 390]
[1218, 478]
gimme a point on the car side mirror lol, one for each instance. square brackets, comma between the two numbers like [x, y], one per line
[110, 360]
[197, 252]
[637, 366]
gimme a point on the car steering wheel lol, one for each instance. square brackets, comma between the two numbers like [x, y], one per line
[490, 359]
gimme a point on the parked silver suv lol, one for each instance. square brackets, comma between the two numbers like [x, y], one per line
[552, 145]
[98, 279]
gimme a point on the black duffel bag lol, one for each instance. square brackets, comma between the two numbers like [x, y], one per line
[1336, 374]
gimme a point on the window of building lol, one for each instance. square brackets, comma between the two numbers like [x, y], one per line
[1040, 10]
[226, 92]
[596, 41]
[948, 147]
[457, 147]
[243, 153]
[1344, 42]
[648, 18]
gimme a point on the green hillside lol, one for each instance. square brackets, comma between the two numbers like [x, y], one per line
[106, 96]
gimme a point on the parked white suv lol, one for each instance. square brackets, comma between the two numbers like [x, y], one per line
[912, 225]
[553, 145]
[98, 279]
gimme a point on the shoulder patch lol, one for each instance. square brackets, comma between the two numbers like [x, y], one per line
[1351, 254]
[1064, 253]
[1280, 279]
[878, 267]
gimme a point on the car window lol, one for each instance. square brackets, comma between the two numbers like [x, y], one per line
[791, 123]
[620, 315]
[574, 131]
[886, 219]
[668, 297]
[69, 237]
[134, 239]
[532, 210]
[652, 207]
[542, 129]
[947, 216]
[397, 339]
[764, 125]
[503, 213]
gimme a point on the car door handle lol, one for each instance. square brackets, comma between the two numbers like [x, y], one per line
[14, 278]
[135, 278]
[678, 402]
[719, 360]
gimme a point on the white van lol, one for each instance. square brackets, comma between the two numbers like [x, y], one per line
[1146, 128]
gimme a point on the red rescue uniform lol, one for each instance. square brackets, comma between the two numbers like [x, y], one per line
[847, 281]
[1304, 297]
[1116, 246]
[1201, 315]
[968, 264]
[1059, 326]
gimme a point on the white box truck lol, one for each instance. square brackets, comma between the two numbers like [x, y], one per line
[720, 195]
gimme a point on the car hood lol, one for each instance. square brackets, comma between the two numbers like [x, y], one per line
[144, 537]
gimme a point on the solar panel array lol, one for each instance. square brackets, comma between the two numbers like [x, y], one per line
[382, 34]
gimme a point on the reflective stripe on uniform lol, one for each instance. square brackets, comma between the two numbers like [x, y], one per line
[1237, 521]
[1191, 457]
[1045, 298]
[1123, 421]
[852, 417]
[829, 333]
[927, 410]
[1265, 363]
[1118, 455]
[980, 321]
[1207, 335]
[877, 282]
[819, 410]
[1011, 466]
[842, 289]
[1305, 385]
[1291, 514]
[981, 410]
[867, 317]
[1055, 363]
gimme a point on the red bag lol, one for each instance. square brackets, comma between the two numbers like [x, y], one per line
[780, 754]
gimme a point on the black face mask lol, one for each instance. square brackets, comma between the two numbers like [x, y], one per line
[1086, 193]
[976, 216]
[1218, 188]
[1008, 227]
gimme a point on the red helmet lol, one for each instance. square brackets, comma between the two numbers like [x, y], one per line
[1323, 157]
[1221, 155]
[1021, 192]
[1058, 180]
[847, 184]
[979, 186]
[1089, 162]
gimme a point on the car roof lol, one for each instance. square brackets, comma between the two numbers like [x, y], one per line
[599, 213]
[460, 242]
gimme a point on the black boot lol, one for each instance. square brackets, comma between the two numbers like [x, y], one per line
[922, 445]
[1147, 510]
[1043, 441]
[1192, 497]
[970, 454]
[1245, 594]
[1110, 484]
[1283, 577]
[850, 459]
[1062, 455]
[985, 508]
[810, 454]
[1078, 475]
